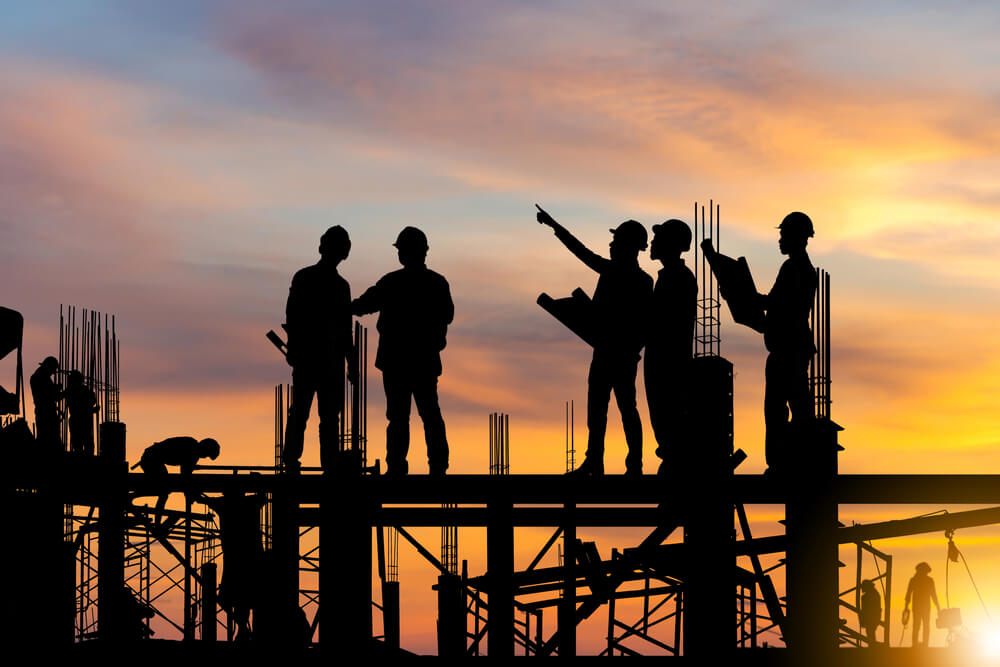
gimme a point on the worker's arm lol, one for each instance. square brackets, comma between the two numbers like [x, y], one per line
[934, 596]
[582, 252]
[350, 358]
[369, 302]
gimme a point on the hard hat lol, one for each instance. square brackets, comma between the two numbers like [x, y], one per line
[411, 237]
[335, 237]
[50, 361]
[632, 233]
[798, 224]
[676, 229]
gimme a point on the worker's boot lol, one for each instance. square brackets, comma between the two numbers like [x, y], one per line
[589, 468]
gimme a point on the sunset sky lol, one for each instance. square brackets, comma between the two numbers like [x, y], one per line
[175, 163]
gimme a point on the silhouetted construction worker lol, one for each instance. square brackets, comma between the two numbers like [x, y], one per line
[870, 614]
[788, 338]
[45, 395]
[183, 451]
[415, 308]
[621, 305]
[82, 405]
[318, 320]
[921, 590]
[242, 551]
[670, 341]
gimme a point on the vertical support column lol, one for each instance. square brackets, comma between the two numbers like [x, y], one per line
[390, 614]
[208, 602]
[567, 606]
[710, 582]
[345, 576]
[812, 560]
[111, 549]
[500, 564]
[285, 545]
[189, 607]
[451, 616]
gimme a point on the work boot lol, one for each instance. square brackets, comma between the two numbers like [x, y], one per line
[397, 470]
[633, 472]
[589, 468]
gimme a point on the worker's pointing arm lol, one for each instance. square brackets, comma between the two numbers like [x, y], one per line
[584, 254]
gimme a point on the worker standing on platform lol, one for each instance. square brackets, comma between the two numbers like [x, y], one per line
[82, 404]
[183, 451]
[318, 317]
[621, 305]
[921, 590]
[668, 347]
[415, 308]
[45, 395]
[788, 338]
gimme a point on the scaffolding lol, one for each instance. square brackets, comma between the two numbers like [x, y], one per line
[708, 321]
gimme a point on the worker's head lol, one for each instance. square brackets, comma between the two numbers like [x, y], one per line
[923, 567]
[867, 586]
[670, 239]
[50, 365]
[796, 230]
[411, 244]
[627, 240]
[75, 378]
[335, 244]
[209, 447]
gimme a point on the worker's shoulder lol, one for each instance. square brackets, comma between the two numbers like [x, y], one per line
[305, 275]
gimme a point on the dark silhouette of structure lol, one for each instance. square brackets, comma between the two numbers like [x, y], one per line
[922, 592]
[415, 308]
[83, 406]
[870, 615]
[619, 323]
[669, 344]
[183, 451]
[242, 553]
[11, 338]
[318, 321]
[45, 395]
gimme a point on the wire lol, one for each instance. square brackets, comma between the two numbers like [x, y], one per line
[980, 595]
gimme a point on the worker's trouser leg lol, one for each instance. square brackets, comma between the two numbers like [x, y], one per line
[425, 395]
[786, 384]
[617, 375]
[666, 396]
[399, 388]
[329, 390]
[398, 398]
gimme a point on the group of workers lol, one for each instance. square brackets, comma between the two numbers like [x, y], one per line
[631, 312]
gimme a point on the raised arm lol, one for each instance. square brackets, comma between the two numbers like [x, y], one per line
[582, 252]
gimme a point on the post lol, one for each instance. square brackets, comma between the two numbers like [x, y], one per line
[708, 517]
[500, 563]
[111, 545]
[345, 575]
[451, 616]
[567, 606]
[390, 614]
[208, 602]
[813, 617]
[285, 543]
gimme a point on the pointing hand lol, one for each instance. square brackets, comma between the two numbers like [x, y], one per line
[543, 216]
